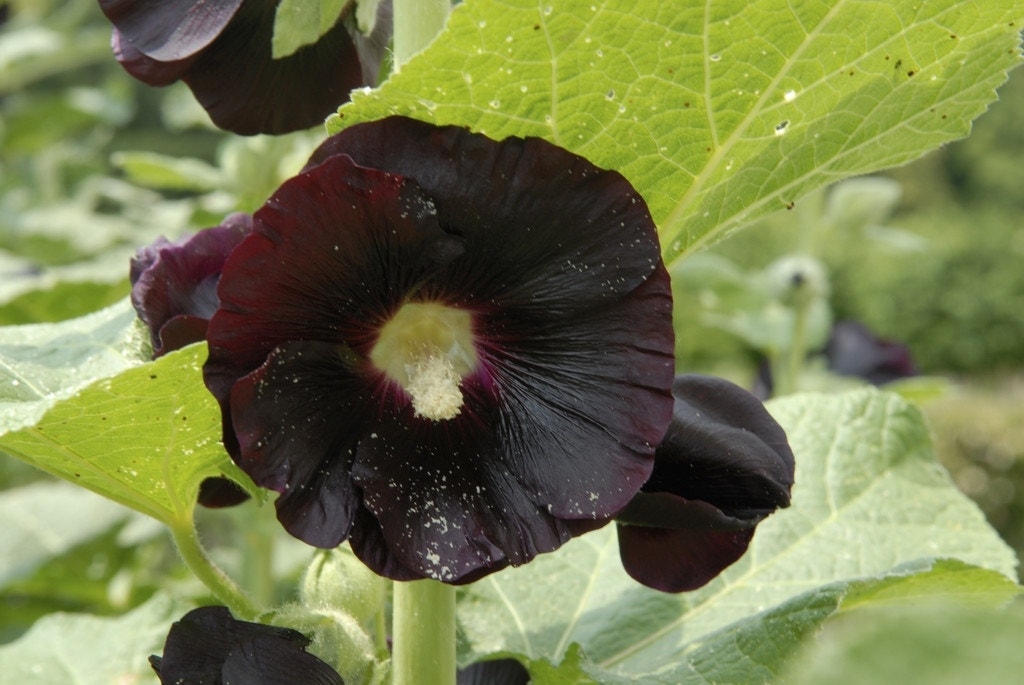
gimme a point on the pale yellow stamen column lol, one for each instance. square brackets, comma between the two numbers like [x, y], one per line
[427, 348]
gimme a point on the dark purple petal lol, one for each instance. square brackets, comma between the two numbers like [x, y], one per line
[724, 465]
[217, 492]
[210, 647]
[296, 418]
[146, 69]
[170, 30]
[557, 266]
[223, 50]
[496, 672]
[174, 284]
[246, 91]
[853, 350]
[679, 560]
[271, 660]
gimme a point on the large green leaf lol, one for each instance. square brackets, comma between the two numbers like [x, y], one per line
[44, 520]
[146, 438]
[89, 650]
[717, 112]
[43, 363]
[930, 643]
[869, 498]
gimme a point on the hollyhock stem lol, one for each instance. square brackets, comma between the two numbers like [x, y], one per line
[218, 582]
[416, 24]
[424, 633]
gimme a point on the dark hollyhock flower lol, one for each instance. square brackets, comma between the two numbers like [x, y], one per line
[174, 291]
[853, 350]
[174, 285]
[455, 353]
[210, 647]
[222, 50]
[724, 465]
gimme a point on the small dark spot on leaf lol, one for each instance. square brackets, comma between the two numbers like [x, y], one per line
[78, 475]
[790, 205]
[887, 58]
[152, 376]
[953, 36]
[851, 72]
[536, 27]
[911, 72]
[943, 116]
[686, 104]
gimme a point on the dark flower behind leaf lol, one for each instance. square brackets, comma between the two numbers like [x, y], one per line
[174, 285]
[724, 466]
[853, 350]
[174, 292]
[222, 50]
[494, 672]
[210, 647]
[453, 352]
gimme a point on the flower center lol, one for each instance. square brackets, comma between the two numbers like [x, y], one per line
[427, 348]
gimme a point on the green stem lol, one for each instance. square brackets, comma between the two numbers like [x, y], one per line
[416, 24]
[222, 587]
[791, 363]
[424, 633]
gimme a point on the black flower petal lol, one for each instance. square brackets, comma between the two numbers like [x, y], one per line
[210, 647]
[223, 50]
[174, 285]
[495, 672]
[724, 465]
[553, 268]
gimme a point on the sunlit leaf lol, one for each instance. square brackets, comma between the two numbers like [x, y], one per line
[869, 498]
[717, 112]
[146, 438]
[302, 22]
[43, 363]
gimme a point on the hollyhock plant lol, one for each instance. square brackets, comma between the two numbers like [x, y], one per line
[724, 466]
[208, 646]
[453, 352]
[222, 50]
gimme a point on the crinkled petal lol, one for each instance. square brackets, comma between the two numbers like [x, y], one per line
[199, 645]
[723, 447]
[445, 505]
[170, 30]
[272, 660]
[724, 465]
[245, 90]
[680, 559]
[297, 419]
